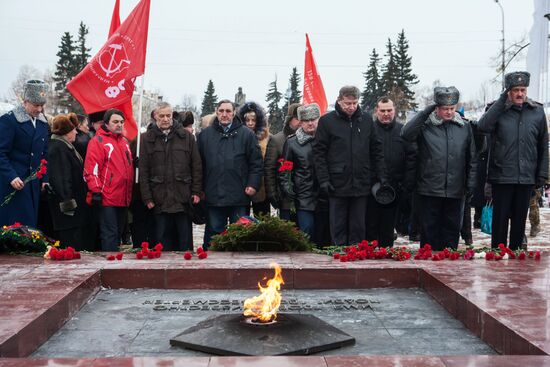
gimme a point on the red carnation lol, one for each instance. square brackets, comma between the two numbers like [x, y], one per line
[203, 255]
[375, 243]
[187, 255]
[76, 255]
[119, 256]
[336, 255]
[537, 255]
[111, 257]
[150, 254]
[158, 247]
[68, 255]
[343, 258]
[521, 256]
[199, 250]
[139, 255]
[145, 244]
[70, 249]
[157, 254]
[145, 251]
[489, 255]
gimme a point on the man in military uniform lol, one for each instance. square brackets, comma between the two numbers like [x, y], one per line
[518, 159]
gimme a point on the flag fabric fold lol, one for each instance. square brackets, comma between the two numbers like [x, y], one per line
[313, 85]
[108, 79]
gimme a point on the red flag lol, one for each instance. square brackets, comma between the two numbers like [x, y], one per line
[130, 127]
[115, 19]
[313, 86]
[107, 81]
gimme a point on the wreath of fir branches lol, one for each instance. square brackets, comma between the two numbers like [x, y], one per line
[267, 233]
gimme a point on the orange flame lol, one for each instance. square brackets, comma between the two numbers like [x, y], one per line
[265, 306]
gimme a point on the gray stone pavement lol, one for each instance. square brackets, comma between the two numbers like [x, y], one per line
[140, 322]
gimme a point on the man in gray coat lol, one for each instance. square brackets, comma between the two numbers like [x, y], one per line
[518, 158]
[446, 167]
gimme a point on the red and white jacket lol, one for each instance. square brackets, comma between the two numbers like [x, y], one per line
[108, 168]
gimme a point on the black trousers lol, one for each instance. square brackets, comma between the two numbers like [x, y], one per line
[466, 230]
[510, 204]
[347, 219]
[414, 224]
[441, 219]
[143, 224]
[381, 221]
[173, 231]
[112, 221]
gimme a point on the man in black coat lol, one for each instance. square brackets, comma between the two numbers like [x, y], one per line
[301, 185]
[346, 150]
[274, 151]
[518, 158]
[400, 160]
[446, 167]
[232, 168]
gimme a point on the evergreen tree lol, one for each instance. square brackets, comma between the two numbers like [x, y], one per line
[65, 70]
[209, 100]
[293, 94]
[273, 98]
[389, 71]
[373, 83]
[405, 77]
[82, 52]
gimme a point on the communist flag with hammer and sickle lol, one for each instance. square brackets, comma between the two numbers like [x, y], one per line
[108, 79]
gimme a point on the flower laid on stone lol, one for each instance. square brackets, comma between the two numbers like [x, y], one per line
[148, 253]
[39, 173]
[201, 254]
[53, 253]
[366, 251]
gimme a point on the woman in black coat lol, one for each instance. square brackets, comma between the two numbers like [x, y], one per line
[67, 198]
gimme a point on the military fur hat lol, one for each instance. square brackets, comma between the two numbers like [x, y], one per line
[446, 96]
[35, 91]
[293, 110]
[63, 124]
[309, 112]
[517, 79]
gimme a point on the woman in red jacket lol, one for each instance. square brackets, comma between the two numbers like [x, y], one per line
[109, 174]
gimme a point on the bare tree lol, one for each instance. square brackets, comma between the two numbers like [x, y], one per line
[26, 72]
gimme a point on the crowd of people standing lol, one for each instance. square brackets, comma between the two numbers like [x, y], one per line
[353, 174]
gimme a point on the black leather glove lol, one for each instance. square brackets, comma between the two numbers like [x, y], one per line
[503, 96]
[326, 189]
[97, 199]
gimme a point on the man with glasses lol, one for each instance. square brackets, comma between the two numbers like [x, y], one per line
[23, 144]
[109, 173]
[232, 168]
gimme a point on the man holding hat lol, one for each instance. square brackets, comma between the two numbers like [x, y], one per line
[518, 158]
[446, 170]
[23, 144]
[302, 185]
[400, 159]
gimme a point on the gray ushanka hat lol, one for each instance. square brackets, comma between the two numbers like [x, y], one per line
[446, 96]
[35, 91]
[517, 79]
[309, 112]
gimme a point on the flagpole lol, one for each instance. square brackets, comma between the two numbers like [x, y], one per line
[140, 117]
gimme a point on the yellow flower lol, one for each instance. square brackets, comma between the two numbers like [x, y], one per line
[56, 244]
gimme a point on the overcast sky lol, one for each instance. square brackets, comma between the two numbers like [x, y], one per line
[249, 43]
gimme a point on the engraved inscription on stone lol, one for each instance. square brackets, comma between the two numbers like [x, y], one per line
[287, 305]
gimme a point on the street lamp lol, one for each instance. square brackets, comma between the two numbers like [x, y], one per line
[503, 63]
